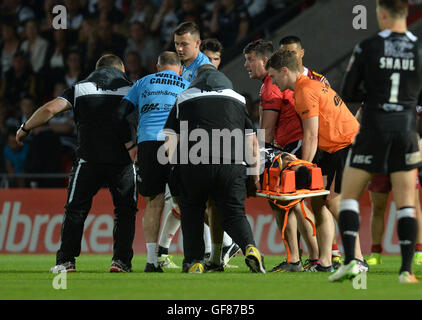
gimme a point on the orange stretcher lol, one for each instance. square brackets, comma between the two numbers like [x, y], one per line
[279, 185]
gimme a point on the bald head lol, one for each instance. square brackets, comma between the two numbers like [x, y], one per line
[169, 61]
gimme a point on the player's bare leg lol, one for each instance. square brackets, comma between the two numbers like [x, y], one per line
[324, 230]
[306, 231]
[151, 225]
[403, 183]
[379, 202]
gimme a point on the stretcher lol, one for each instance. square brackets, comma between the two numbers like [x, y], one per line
[278, 185]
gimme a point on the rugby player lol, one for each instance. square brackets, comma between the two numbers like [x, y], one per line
[388, 66]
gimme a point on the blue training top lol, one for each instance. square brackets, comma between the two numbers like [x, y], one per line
[189, 73]
[155, 95]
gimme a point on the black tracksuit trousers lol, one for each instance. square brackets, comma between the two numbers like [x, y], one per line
[226, 184]
[85, 181]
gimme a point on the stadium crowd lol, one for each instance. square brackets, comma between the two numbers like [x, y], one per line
[38, 62]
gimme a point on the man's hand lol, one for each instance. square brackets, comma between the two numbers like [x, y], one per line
[20, 136]
[132, 149]
[133, 154]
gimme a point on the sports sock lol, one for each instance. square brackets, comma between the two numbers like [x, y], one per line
[151, 253]
[407, 229]
[216, 253]
[349, 227]
[207, 238]
[162, 250]
[170, 226]
[418, 247]
[227, 241]
[376, 248]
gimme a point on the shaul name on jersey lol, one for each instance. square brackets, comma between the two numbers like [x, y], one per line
[390, 63]
[169, 79]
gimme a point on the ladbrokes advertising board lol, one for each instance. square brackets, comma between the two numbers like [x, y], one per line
[30, 222]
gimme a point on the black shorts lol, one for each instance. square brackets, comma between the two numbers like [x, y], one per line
[153, 175]
[332, 165]
[385, 153]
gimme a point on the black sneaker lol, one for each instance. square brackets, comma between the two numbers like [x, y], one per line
[288, 267]
[229, 252]
[119, 266]
[309, 263]
[319, 268]
[213, 267]
[150, 267]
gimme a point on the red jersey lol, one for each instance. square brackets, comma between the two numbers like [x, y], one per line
[289, 126]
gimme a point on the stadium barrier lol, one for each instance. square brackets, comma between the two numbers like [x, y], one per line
[30, 222]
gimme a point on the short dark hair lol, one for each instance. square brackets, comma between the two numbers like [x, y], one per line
[169, 58]
[187, 27]
[290, 40]
[109, 60]
[303, 178]
[396, 8]
[262, 48]
[211, 44]
[282, 59]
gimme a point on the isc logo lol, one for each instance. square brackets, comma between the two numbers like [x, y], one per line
[148, 107]
[361, 159]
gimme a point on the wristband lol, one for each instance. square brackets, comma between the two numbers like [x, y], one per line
[22, 127]
[131, 147]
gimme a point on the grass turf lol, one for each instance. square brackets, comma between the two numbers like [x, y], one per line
[26, 277]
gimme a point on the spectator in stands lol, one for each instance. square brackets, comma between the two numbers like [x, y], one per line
[27, 107]
[164, 23]
[8, 46]
[190, 11]
[74, 14]
[148, 48]
[17, 10]
[107, 41]
[56, 52]
[142, 11]
[108, 11]
[35, 46]
[256, 10]
[19, 80]
[229, 22]
[87, 41]
[73, 68]
[15, 156]
[134, 67]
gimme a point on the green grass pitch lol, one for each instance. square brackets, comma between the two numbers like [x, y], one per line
[26, 277]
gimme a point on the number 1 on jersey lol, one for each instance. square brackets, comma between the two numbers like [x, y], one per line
[395, 84]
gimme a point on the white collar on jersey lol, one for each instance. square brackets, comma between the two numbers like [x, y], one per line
[387, 32]
[305, 71]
